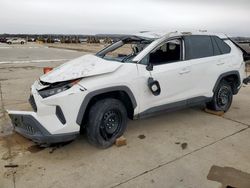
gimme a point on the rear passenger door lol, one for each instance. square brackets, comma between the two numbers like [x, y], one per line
[206, 62]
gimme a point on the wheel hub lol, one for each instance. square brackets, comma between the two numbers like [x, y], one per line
[224, 100]
[111, 122]
[223, 96]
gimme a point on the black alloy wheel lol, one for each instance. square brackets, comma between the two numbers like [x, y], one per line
[107, 120]
[223, 97]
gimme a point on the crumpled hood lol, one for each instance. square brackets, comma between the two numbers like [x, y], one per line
[84, 66]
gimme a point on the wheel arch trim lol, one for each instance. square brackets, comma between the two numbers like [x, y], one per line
[92, 94]
[223, 75]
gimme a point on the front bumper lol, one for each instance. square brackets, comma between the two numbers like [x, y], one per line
[53, 119]
[28, 126]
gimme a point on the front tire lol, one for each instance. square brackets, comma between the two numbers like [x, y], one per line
[223, 97]
[107, 121]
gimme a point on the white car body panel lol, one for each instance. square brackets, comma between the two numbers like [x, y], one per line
[174, 86]
[84, 66]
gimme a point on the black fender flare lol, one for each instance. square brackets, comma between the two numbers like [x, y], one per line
[227, 74]
[92, 94]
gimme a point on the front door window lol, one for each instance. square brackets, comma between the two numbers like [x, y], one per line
[168, 52]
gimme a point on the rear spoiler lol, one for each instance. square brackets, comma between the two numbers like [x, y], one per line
[246, 55]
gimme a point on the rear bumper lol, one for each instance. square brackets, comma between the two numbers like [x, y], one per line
[28, 126]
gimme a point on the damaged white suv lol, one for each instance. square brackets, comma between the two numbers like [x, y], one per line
[136, 77]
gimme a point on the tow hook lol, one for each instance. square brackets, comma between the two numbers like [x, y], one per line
[154, 86]
[246, 80]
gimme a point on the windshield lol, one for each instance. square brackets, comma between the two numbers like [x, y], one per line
[124, 50]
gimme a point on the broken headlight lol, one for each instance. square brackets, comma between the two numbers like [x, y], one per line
[56, 88]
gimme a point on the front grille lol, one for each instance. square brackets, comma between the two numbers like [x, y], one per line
[33, 103]
[19, 123]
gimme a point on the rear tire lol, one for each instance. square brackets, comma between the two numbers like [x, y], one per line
[223, 97]
[107, 120]
[22, 42]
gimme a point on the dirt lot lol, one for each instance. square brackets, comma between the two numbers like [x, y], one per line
[172, 150]
[85, 47]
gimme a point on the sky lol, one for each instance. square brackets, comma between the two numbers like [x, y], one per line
[124, 16]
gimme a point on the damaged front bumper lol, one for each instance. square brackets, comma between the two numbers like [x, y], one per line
[26, 124]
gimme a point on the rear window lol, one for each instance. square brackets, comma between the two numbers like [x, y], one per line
[198, 47]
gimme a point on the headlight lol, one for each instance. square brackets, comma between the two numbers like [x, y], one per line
[56, 88]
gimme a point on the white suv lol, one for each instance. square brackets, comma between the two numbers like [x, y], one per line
[136, 77]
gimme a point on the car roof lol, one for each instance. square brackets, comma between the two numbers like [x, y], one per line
[156, 35]
[159, 37]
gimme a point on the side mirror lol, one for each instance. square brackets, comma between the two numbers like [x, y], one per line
[149, 67]
[154, 86]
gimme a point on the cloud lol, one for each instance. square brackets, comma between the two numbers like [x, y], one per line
[118, 16]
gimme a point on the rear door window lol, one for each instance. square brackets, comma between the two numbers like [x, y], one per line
[198, 46]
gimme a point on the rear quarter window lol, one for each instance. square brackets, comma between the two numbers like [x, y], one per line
[217, 50]
[224, 47]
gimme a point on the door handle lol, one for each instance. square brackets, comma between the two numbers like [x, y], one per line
[184, 71]
[220, 63]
